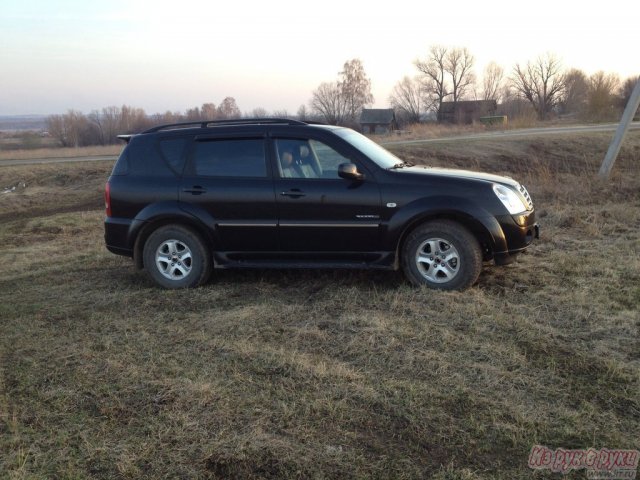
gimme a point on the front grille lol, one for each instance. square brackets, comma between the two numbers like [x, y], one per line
[526, 196]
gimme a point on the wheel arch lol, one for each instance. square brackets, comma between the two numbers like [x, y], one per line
[483, 226]
[162, 215]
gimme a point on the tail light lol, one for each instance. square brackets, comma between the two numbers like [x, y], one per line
[107, 199]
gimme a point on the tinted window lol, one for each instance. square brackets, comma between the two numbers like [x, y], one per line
[307, 159]
[144, 158]
[230, 158]
[173, 151]
[122, 165]
[328, 158]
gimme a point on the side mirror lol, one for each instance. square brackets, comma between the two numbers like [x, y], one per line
[349, 171]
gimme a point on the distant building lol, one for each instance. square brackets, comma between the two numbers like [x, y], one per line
[466, 111]
[378, 120]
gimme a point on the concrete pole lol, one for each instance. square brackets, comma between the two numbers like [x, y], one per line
[625, 123]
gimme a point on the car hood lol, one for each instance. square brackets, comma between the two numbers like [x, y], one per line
[455, 173]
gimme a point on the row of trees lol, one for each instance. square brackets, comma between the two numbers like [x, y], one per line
[337, 103]
[541, 85]
[101, 127]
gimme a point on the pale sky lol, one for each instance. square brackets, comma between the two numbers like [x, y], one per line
[172, 55]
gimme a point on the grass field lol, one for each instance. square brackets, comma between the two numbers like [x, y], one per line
[332, 374]
[59, 152]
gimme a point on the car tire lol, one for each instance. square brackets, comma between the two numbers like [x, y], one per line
[442, 254]
[176, 257]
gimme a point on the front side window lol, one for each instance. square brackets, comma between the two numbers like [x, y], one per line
[230, 158]
[307, 159]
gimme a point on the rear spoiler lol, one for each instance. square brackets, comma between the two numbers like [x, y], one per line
[127, 138]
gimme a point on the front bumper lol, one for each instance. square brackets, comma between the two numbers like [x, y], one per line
[519, 232]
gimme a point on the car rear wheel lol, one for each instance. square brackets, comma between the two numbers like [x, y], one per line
[442, 254]
[176, 257]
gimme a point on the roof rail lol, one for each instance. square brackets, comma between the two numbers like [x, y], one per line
[221, 123]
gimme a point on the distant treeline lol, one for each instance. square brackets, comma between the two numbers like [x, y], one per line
[539, 90]
[101, 127]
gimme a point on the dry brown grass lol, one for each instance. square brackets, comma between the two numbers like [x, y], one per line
[332, 374]
[59, 152]
[438, 130]
[431, 130]
[52, 188]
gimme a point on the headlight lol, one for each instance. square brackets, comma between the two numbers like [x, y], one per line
[510, 199]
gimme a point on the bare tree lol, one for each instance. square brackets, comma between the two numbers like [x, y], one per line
[328, 102]
[601, 101]
[492, 82]
[513, 105]
[56, 128]
[133, 120]
[541, 82]
[574, 99]
[258, 112]
[626, 89]
[106, 123]
[228, 109]
[111, 117]
[167, 117]
[340, 102]
[209, 111]
[355, 88]
[303, 115]
[72, 129]
[95, 118]
[433, 69]
[193, 114]
[459, 65]
[410, 99]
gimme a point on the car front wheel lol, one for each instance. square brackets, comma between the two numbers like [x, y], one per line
[442, 254]
[176, 257]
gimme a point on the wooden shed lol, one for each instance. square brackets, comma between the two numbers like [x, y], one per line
[378, 120]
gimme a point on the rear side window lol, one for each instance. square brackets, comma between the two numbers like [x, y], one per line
[122, 165]
[230, 158]
[173, 152]
[145, 159]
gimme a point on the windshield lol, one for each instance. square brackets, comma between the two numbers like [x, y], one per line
[371, 149]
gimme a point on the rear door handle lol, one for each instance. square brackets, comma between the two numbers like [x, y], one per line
[195, 190]
[295, 193]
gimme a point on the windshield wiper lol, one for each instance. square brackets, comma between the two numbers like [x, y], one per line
[401, 165]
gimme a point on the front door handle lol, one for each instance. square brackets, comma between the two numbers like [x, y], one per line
[295, 193]
[195, 190]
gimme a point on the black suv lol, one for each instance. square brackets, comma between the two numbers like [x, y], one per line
[186, 198]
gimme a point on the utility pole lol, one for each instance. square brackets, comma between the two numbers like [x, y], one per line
[625, 123]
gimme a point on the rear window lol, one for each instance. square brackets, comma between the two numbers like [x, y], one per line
[230, 158]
